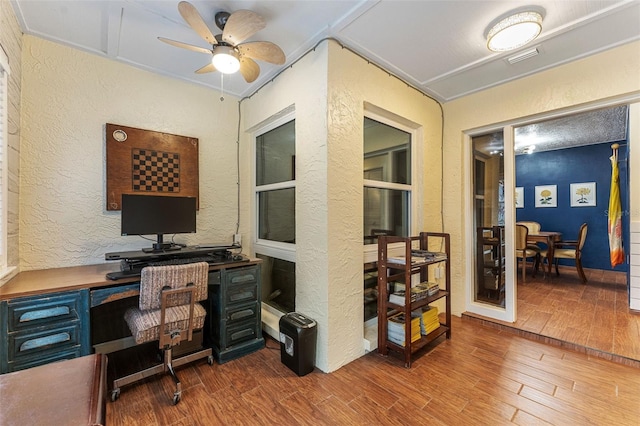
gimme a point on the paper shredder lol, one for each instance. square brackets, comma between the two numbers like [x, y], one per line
[298, 342]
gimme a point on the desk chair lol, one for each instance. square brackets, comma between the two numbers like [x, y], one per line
[525, 251]
[168, 312]
[570, 250]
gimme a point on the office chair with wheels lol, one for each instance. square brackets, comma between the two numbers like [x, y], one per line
[169, 312]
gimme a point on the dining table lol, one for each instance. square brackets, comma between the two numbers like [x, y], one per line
[550, 238]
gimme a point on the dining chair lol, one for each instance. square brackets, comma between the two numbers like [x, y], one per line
[533, 227]
[570, 250]
[525, 251]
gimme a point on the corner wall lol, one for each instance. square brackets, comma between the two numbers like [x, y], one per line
[596, 78]
[329, 88]
[67, 97]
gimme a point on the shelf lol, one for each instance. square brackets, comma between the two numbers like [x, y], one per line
[390, 272]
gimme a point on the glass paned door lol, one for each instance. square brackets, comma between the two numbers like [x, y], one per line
[489, 219]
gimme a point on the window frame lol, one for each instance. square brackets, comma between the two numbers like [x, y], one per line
[413, 189]
[276, 249]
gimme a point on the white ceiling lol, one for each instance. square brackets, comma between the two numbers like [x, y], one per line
[436, 46]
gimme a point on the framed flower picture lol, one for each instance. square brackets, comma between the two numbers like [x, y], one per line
[546, 196]
[583, 194]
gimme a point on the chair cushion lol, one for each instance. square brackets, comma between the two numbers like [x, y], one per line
[145, 325]
[565, 253]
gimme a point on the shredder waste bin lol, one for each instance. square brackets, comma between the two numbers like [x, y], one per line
[298, 342]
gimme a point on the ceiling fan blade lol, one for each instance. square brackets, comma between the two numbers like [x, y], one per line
[190, 14]
[207, 68]
[185, 45]
[249, 69]
[241, 25]
[262, 51]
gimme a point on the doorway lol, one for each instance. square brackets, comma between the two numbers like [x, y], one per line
[613, 120]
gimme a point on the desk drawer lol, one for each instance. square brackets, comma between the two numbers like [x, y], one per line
[238, 333]
[31, 312]
[43, 341]
[242, 313]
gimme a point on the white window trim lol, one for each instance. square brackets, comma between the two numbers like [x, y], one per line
[414, 189]
[276, 249]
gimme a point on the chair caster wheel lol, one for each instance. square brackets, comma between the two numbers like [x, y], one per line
[210, 360]
[176, 398]
[115, 394]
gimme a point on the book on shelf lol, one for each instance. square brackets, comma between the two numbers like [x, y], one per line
[429, 320]
[396, 328]
[418, 292]
[429, 256]
[418, 257]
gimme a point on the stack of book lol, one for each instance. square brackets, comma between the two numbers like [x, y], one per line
[396, 327]
[432, 288]
[419, 257]
[428, 320]
[418, 292]
[429, 256]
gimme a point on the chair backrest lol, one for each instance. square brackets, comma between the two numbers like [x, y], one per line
[154, 278]
[533, 227]
[582, 235]
[522, 232]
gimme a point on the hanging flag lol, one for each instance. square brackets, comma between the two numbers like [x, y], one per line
[616, 251]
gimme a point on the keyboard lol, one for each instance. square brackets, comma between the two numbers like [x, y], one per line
[185, 260]
[136, 270]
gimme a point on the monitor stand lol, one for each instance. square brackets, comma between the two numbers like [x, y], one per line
[160, 246]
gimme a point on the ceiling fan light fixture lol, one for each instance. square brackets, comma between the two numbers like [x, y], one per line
[225, 59]
[514, 31]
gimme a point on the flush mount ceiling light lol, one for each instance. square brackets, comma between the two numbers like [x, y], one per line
[225, 59]
[514, 31]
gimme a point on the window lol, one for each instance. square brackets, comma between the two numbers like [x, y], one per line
[275, 184]
[387, 180]
[275, 224]
[4, 74]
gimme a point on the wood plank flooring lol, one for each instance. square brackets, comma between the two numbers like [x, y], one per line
[594, 318]
[482, 376]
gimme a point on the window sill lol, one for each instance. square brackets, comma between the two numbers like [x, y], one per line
[7, 273]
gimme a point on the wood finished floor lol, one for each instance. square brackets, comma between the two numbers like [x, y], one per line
[594, 318]
[482, 376]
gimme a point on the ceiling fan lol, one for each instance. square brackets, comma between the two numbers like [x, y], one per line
[229, 53]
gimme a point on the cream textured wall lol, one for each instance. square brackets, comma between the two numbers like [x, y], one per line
[11, 43]
[329, 88]
[67, 97]
[598, 77]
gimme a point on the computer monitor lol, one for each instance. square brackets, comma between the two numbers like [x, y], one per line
[159, 215]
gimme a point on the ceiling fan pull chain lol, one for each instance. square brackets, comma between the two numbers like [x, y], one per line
[221, 87]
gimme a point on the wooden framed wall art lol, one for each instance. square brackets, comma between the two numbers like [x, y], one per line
[147, 162]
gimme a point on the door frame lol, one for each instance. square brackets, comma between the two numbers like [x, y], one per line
[509, 313]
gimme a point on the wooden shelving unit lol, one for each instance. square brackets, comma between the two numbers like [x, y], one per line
[389, 271]
[490, 264]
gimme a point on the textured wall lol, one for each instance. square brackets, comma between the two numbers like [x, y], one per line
[11, 42]
[67, 97]
[329, 88]
[598, 77]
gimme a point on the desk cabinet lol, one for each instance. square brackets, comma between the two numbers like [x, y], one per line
[233, 326]
[37, 330]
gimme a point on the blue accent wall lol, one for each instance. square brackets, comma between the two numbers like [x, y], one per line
[575, 165]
